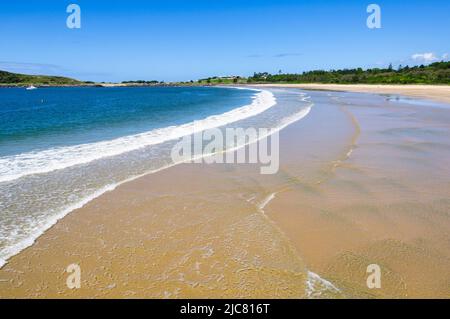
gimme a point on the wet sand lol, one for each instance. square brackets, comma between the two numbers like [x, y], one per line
[434, 92]
[363, 180]
[385, 201]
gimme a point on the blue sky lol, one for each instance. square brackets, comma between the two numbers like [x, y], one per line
[182, 40]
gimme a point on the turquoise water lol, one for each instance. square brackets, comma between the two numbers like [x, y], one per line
[51, 117]
[62, 147]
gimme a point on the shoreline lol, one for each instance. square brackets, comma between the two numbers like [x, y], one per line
[110, 191]
[261, 101]
[439, 93]
[313, 237]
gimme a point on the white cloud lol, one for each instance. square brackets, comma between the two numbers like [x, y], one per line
[445, 56]
[425, 57]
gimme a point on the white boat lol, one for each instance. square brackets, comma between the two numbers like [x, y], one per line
[31, 87]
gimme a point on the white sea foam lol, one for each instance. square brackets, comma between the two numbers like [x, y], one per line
[266, 201]
[262, 101]
[39, 229]
[316, 286]
[14, 249]
[17, 166]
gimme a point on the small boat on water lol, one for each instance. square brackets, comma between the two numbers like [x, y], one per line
[31, 87]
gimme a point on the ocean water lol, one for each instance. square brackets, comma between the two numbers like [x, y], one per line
[57, 117]
[62, 147]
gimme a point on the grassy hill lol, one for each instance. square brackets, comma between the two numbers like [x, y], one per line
[435, 73]
[8, 78]
[228, 80]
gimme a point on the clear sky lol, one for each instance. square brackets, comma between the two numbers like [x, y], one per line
[182, 40]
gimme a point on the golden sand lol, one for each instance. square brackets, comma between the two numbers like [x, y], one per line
[433, 92]
[185, 232]
[362, 181]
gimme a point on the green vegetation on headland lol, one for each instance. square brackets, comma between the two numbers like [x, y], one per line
[435, 73]
[15, 79]
[223, 80]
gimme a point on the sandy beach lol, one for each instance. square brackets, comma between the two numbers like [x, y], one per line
[433, 92]
[363, 179]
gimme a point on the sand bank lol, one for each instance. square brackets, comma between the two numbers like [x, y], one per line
[433, 92]
[363, 180]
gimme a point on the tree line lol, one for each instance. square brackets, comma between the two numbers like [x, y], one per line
[435, 73]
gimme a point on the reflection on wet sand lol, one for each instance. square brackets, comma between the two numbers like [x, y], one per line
[363, 180]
